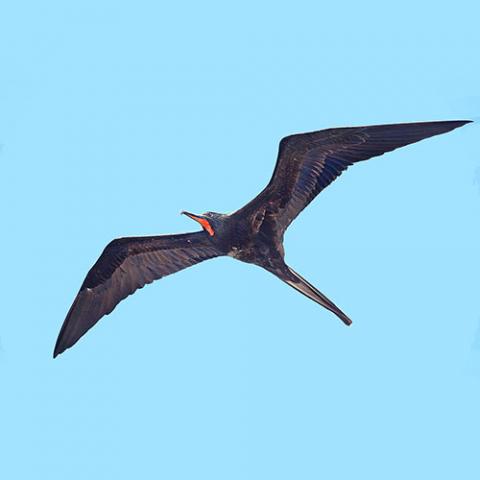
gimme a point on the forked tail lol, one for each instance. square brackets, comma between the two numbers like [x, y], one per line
[299, 283]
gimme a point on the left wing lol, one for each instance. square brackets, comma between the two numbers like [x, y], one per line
[126, 265]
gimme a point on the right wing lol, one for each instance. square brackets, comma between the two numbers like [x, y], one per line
[126, 265]
[309, 162]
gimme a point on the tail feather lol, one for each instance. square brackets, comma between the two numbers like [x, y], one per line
[303, 286]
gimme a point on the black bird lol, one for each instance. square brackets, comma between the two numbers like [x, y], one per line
[306, 164]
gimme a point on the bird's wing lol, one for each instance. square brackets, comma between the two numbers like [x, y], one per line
[307, 163]
[126, 265]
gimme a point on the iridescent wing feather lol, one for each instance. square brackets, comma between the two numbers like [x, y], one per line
[307, 163]
[126, 265]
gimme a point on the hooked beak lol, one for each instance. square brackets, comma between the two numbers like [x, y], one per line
[188, 214]
[201, 220]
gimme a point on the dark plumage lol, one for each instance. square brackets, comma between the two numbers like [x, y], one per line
[306, 164]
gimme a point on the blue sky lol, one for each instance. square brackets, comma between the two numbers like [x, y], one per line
[114, 116]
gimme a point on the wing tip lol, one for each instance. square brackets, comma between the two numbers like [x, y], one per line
[59, 348]
[444, 125]
[450, 125]
[461, 123]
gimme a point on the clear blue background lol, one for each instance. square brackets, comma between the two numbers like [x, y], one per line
[114, 117]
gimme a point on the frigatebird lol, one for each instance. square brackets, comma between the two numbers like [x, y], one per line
[306, 164]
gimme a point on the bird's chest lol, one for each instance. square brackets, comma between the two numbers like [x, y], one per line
[237, 253]
[253, 245]
[254, 251]
[244, 254]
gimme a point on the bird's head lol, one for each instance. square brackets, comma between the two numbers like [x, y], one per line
[211, 222]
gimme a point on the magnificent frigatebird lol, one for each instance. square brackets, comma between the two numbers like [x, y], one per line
[306, 164]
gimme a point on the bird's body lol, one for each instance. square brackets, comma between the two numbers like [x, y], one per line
[306, 164]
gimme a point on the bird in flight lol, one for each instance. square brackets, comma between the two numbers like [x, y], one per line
[306, 164]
